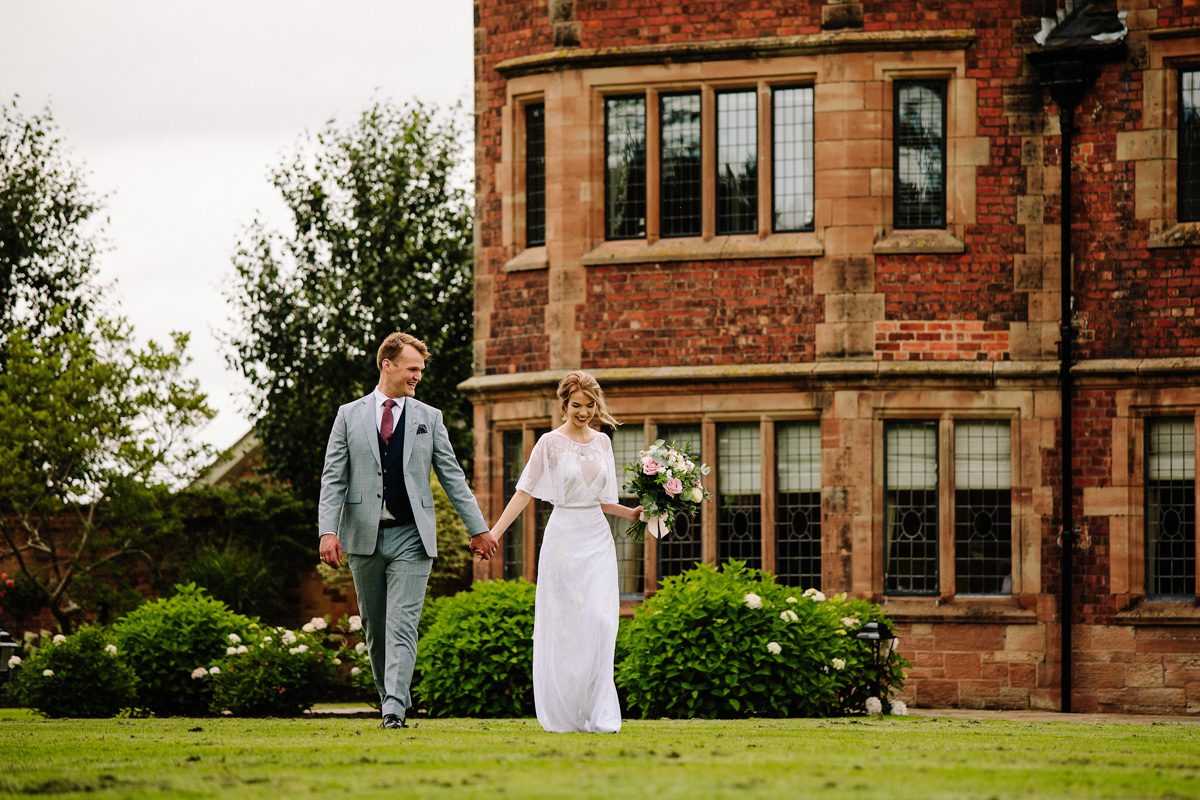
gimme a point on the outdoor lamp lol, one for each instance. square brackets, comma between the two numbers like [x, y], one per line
[880, 637]
[8, 648]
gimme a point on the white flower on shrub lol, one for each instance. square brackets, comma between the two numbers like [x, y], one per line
[752, 600]
[14, 661]
[839, 664]
[899, 708]
[47, 673]
[789, 616]
[355, 671]
[313, 625]
[874, 705]
[337, 662]
[215, 671]
[267, 640]
[58, 638]
[850, 622]
[816, 595]
[233, 637]
[773, 648]
[111, 649]
[360, 648]
[199, 672]
[241, 648]
[289, 637]
[356, 623]
[301, 648]
[792, 600]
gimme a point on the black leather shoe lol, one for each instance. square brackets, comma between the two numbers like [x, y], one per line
[391, 721]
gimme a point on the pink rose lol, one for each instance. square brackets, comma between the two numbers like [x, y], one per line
[673, 486]
[650, 466]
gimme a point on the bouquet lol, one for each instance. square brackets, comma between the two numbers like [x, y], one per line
[665, 482]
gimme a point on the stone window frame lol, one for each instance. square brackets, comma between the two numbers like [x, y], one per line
[511, 183]
[1016, 409]
[1122, 504]
[1154, 149]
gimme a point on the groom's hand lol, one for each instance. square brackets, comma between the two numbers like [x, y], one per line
[483, 545]
[331, 550]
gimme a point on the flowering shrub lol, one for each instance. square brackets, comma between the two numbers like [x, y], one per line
[167, 639]
[270, 672]
[732, 643]
[476, 657]
[82, 675]
[665, 482]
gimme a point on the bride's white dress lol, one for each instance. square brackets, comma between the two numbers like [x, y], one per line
[577, 605]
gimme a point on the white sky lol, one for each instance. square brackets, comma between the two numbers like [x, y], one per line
[178, 110]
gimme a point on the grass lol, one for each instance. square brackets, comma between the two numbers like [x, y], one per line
[893, 758]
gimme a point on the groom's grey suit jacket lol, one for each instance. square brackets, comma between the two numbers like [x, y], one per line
[352, 481]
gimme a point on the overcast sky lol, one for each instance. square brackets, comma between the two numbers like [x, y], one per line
[179, 110]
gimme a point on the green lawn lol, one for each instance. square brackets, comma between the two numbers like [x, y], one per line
[892, 758]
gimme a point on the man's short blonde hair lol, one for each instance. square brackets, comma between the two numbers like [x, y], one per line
[394, 343]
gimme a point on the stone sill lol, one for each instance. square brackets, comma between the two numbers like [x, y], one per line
[919, 241]
[1181, 234]
[968, 610]
[1160, 612]
[529, 259]
[719, 248]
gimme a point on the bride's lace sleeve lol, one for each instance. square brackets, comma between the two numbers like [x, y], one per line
[540, 477]
[612, 479]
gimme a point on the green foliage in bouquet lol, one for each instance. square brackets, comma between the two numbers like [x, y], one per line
[731, 642]
[82, 675]
[666, 482]
[271, 672]
[476, 657]
[167, 639]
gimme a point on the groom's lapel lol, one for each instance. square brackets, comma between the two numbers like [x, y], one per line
[365, 411]
[414, 421]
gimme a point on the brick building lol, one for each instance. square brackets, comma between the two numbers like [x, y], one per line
[824, 243]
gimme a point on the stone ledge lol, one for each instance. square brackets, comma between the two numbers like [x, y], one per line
[736, 50]
[931, 241]
[531, 258]
[963, 610]
[693, 248]
[1181, 234]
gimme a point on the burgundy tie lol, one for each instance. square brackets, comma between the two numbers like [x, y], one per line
[386, 424]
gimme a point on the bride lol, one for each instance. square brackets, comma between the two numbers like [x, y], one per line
[577, 605]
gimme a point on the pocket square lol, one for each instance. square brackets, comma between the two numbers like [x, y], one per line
[422, 429]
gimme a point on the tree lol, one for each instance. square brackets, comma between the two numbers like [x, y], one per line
[380, 241]
[49, 228]
[94, 431]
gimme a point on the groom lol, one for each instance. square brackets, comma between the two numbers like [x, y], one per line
[377, 507]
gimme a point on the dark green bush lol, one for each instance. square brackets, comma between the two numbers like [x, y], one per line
[243, 579]
[281, 673]
[733, 643]
[476, 657]
[166, 640]
[81, 675]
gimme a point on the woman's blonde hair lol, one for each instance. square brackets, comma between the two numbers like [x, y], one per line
[579, 381]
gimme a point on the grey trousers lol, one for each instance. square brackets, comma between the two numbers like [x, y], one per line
[390, 584]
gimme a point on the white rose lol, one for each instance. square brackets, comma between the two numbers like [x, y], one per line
[233, 637]
[231, 651]
[199, 672]
[58, 638]
[773, 648]
[899, 708]
[355, 671]
[874, 706]
[752, 600]
[360, 648]
[215, 671]
[839, 664]
[14, 661]
[356, 623]
[47, 673]
[111, 649]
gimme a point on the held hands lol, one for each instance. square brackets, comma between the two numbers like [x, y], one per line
[484, 545]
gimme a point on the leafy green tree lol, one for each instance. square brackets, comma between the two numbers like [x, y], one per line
[50, 229]
[380, 241]
[94, 428]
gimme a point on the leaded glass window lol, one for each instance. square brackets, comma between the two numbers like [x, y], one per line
[514, 542]
[625, 167]
[679, 167]
[919, 199]
[739, 493]
[792, 154]
[1188, 156]
[535, 175]
[1170, 509]
[737, 162]
[798, 504]
[910, 509]
[682, 548]
[627, 443]
[982, 508]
